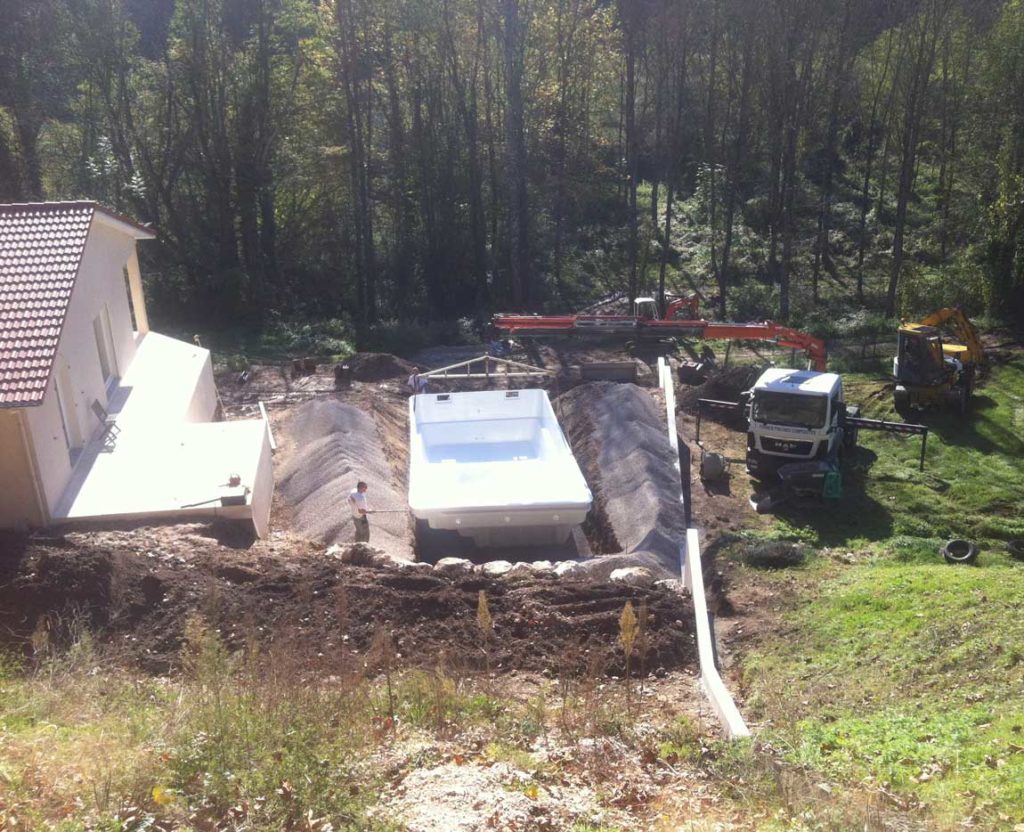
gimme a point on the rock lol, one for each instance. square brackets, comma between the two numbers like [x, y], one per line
[496, 568]
[673, 585]
[570, 569]
[520, 570]
[632, 575]
[413, 566]
[600, 568]
[453, 567]
[542, 567]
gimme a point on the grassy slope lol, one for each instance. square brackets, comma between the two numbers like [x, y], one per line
[894, 670]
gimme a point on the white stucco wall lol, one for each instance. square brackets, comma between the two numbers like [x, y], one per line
[203, 406]
[48, 440]
[18, 503]
[100, 283]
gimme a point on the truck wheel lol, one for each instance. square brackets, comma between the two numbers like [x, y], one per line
[960, 551]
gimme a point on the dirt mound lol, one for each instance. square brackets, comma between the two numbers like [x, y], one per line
[333, 445]
[620, 440]
[725, 385]
[320, 610]
[378, 366]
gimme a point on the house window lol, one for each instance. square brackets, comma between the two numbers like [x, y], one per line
[105, 345]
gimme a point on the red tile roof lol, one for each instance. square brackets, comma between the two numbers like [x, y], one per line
[41, 248]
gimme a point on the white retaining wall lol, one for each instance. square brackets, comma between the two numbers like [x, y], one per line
[693, 578]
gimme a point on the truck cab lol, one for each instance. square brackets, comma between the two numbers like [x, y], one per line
[795, 416]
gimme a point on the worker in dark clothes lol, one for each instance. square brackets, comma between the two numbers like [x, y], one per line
[360, 510]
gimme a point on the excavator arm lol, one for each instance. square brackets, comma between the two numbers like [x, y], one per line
[778, 334]
[962, 328]
[689, 306]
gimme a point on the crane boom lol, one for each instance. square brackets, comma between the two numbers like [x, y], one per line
[647, 324]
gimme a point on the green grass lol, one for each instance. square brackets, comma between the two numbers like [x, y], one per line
[893, 672]
[972, 484]
[907, 677]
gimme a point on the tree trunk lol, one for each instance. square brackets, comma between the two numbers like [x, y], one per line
[738, 148]
[865, 201]
[629, 117]
[710, 157]
[914, 102]
[519, 225]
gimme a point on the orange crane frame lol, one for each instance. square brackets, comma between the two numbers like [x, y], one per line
[638, 326]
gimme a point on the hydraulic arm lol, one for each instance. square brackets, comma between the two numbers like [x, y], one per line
[647, 324]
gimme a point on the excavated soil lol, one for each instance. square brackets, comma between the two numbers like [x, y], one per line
[138, 599]
[618, 435]
[724, 385]
[378, 366]
[328, 446]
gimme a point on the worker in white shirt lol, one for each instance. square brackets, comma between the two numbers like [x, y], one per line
[416, 383]
[360, 509]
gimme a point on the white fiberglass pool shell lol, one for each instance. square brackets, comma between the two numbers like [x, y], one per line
[494, 466]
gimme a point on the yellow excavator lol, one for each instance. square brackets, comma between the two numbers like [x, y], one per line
[930, 369]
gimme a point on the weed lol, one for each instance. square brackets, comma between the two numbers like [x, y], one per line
[486, 626]
[628, 627]
[585, 826]
[642, 645]
[382, 656]
[499, 752]
[680, 742]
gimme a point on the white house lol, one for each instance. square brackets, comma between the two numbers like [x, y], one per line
[100, 418]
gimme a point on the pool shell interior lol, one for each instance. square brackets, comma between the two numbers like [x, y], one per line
[495, 466]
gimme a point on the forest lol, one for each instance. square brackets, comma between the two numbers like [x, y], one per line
[389, 163]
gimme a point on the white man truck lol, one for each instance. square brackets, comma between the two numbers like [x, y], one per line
[798, 428]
